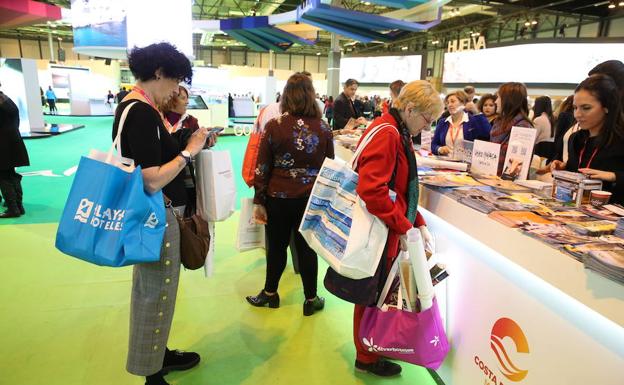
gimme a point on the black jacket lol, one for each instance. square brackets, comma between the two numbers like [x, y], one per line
[12, 150]
[343, 111]
[583, 151]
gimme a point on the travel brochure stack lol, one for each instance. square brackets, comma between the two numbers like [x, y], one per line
[592, 235]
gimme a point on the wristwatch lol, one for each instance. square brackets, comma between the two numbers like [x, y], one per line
[186, 155]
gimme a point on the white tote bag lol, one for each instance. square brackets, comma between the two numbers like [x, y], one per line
[336, 223]
[250, 235]
[216, 189]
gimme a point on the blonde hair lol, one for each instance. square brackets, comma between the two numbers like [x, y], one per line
[421, 96]
[461, 95]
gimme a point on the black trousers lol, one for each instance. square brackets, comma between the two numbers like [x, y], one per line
[11, 186]
[284, 216]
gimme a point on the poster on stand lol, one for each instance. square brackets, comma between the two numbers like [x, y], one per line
[519, 153]
[485, 157]
[425, 140]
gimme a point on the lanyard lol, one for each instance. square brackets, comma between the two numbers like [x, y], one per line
[455, 132]
[591, 158]
[149, 101]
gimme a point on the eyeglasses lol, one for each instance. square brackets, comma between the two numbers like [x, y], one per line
[428, 120]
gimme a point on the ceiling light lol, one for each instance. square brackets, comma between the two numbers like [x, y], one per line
[318, 54]
[621, 3]
[404, 48]
[611, 5]
[527, 23]
[534, 22]
[435, 42]
[223, 47]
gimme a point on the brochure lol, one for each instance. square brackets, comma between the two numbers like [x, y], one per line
[594, 228]
[519, 153]
[485, 157]
[517, 218]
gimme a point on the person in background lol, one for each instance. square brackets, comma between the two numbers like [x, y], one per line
[181, 125]
[329, 110]
[51, 99]
[389, 158]
[395, 89]
[471, 105]
[344, 109]
[121, 95]
[543, 120]
[291, 152]
[513, 110]
[596, 149]
[43, 99]
[564, 120]
[231, 112]
[462, 124]
[110, 99]
[12, 154]
[158, 68]
[487, 106]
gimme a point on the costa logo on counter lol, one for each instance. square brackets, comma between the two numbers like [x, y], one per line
[505, 327]
[502, 328]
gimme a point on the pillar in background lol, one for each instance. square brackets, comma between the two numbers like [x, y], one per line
[333, 67]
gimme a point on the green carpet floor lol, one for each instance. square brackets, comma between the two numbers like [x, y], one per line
[65, 322]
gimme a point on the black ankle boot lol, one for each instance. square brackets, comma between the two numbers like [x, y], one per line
[381, 368]
[262, 299]
[178, 360]
[12, 211]
[310, 306]
[156, 379]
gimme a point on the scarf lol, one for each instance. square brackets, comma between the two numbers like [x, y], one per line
[412, 189]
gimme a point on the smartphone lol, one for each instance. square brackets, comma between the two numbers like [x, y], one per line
[216, 130]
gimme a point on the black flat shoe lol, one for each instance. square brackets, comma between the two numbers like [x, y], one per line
[262, 299]
[177, 360]
[381, 368]
[309, 307]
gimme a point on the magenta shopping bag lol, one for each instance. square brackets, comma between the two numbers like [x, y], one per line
[417, 338]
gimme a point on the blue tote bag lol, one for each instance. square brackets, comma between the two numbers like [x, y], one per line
[109, 219]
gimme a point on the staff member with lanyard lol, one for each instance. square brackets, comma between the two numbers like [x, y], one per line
[158, 69]
[451, 132]
[597, 149]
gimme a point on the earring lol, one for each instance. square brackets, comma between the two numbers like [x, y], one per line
[157, 77]
[606, 111]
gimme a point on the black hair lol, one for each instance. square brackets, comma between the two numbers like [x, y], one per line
[604, 88]
[351, 82]
[614, 69]
[544, 104]
[144, 62]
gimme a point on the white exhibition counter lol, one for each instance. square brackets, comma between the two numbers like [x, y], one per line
[517, 310]
[556, 322]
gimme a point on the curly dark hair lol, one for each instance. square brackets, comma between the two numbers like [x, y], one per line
[144, 62]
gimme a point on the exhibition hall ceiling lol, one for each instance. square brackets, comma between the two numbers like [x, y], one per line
[459, 17]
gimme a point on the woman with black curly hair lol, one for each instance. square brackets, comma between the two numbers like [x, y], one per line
[162, 156]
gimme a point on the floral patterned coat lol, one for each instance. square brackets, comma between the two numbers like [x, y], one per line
[291, 152]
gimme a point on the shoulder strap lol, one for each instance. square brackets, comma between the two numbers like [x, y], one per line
[117, 142]
[366, 140]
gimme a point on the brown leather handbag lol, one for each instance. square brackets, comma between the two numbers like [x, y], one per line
[194, 238]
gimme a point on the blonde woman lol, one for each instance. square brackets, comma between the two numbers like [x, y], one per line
[389, 159]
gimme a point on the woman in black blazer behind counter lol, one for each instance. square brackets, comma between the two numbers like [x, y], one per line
[597, 149]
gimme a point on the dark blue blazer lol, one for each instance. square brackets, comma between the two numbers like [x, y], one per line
[477, 127]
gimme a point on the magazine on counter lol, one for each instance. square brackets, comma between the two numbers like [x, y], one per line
[517, 218]
[608, 263]
[600, 212]
[555, 234]
[595, 228]
[580, 251]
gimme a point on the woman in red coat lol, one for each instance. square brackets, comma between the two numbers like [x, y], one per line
[391, 152]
